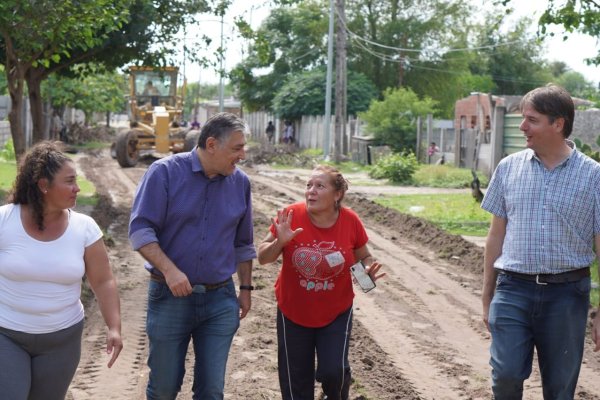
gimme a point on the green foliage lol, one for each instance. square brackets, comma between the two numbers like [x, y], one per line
[576, 84]
[457, 213]
[393, 120]
[289, 41]
[91, 90]
[397, 168]
[304, 94]
[446, 176]
[8, 171]
[511, 56]
[412, 25]
[587, 150]
[3, 82]
[574, 16]
[8, 151]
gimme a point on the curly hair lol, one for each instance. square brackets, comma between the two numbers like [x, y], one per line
[337, 180]
[43, 160]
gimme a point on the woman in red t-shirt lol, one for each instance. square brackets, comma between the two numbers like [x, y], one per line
[319, 240]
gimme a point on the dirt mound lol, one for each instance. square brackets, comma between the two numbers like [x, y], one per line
[80, 134]
[446, 246]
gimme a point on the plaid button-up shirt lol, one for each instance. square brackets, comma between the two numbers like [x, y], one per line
[552, 215]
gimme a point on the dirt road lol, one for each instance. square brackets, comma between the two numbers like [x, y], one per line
[419, 335]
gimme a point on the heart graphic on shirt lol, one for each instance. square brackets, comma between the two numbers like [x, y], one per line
[308, 260]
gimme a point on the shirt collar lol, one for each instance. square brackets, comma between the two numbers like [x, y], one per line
[531, 154]
[197, 165]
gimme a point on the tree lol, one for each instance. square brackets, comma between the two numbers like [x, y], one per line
[390, 39]
[304, 94]
[289, 41]
[34, 34]
[512, 58]
[576, 84]
[393, 120]
[89, 91]
[574, 16]
[46, 36]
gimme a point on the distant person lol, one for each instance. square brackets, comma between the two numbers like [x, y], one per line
[195, 125]
[319, 240]
[431, 150]
[46, 249]
[150, 89]
[545, 206]
[270, 131]
[288, 132]
[192, 221]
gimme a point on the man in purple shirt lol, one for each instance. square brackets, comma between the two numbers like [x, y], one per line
[192, 221]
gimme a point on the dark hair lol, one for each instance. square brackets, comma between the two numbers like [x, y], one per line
[554, 102]
[220, 126]
[43, 160]
[338, 181]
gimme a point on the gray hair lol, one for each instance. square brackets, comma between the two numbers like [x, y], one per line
[220, 126]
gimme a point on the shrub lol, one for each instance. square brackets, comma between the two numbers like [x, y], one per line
[8, 152]
[398, 168]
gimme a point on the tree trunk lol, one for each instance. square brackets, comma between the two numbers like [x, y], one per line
[16, 79]
[34, 77]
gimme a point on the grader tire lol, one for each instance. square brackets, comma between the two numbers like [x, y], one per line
[191, 140]
[126, 149]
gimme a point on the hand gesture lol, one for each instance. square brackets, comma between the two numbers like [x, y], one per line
[283, 227]
[373, 271]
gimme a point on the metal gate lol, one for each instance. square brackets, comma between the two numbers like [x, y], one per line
[513, 137]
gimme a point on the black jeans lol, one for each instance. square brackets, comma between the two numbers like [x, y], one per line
[297, 346]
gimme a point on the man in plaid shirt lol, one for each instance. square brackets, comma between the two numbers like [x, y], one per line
[545, 206]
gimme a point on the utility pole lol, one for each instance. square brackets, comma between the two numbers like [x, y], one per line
[221, 50]
[327, 138]
[340, 83]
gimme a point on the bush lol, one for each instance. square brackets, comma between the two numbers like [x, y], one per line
[398, 168]
[8, 152]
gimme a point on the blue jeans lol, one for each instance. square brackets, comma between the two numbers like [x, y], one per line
[552, 318]
[210, 318]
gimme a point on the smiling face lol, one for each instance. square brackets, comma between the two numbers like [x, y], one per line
[541, 132]
[224, 154]
[61, 192]
[321, 194]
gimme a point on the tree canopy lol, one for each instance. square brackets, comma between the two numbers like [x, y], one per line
[304, 94]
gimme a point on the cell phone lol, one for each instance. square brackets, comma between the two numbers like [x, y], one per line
[360, 274]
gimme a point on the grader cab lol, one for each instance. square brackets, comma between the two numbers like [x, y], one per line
[155, 116]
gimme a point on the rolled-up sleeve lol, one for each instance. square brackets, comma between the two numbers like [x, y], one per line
[244, 238]
[149, 208]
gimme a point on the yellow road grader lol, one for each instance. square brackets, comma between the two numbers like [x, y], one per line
[155, 116]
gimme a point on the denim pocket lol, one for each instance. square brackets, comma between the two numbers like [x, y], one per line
[157, 291]
[583, 286]
[502, 279]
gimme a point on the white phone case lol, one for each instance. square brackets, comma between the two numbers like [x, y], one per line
[364, 280]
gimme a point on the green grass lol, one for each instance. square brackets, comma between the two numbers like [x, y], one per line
[8, 171]
[446, 176]
[458, 213]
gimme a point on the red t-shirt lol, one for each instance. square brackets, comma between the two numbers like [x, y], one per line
[314, 285]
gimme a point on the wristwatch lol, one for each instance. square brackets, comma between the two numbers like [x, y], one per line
[246, 287]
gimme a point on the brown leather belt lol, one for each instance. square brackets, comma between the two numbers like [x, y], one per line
[207, 286]
[544, 279]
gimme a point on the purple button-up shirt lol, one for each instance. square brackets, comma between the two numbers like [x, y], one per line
[203, 225]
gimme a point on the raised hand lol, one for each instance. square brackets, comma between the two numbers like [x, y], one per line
[283, 227]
